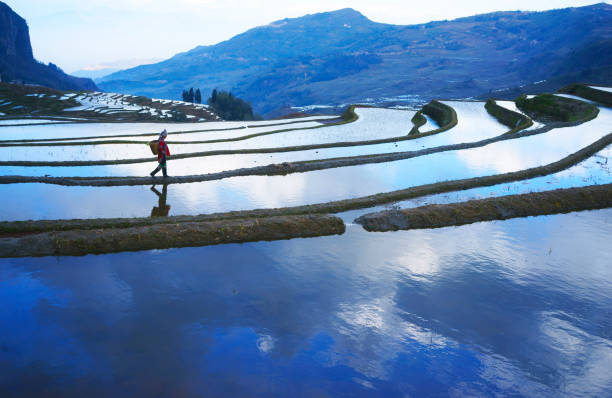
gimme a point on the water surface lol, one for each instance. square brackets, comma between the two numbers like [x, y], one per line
[372, 124]
[475, 125]
[515, 308]
[596, 170]
[70, 130]
[36, 201]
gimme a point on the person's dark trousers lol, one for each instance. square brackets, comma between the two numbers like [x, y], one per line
[162, 167]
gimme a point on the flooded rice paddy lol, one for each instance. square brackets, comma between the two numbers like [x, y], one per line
[491, 309]
[367, 127]
[596, 170]
[475, 125]
[17, 122]
[515, 308]
[253, 192]
[603, 88]
[69, 130]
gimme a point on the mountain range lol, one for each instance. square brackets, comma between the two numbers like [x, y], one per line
[17, 63]
[342, 57]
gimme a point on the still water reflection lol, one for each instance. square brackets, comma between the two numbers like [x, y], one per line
[63, 131]
[372, 124]
[44, 201]
[515, 308]
[475, 125]
[162, 209]
[595, 170]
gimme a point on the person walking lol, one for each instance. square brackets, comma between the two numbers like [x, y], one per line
[162, 154]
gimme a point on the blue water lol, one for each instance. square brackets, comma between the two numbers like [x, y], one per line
[476, 124]
[45, 201]
[595, 170]
[515, 308]
[40, 201]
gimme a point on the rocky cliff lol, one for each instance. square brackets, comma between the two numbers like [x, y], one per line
[17, 61]
[14, 35]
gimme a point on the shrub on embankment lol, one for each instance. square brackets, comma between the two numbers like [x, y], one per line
[584, 91]
[505, 116]
[548, 107]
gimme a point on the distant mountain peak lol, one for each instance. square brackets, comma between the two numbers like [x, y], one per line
[347, 12]
[341, 56]
[601, 5]
[344, 16]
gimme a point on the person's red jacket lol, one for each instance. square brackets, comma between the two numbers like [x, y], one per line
[163, 150]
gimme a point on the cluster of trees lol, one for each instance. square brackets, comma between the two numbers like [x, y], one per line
[192, 96]
[224, 103]
[229, 107]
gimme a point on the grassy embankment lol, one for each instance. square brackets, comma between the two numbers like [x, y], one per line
[514, 120]
[419, 121]
[164, 236]
[444, 115]
[500, 208]
[584, 91]
[552, 108]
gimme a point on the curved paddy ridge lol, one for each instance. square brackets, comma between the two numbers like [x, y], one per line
[475, 125]
[252, 192]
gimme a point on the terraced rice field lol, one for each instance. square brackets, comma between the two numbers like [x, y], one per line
[423, 159]
[512, 308]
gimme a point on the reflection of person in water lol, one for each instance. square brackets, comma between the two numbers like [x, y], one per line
[162, 208]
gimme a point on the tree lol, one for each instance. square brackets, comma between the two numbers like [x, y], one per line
[229, 107]
[198, 96]
[191, 95]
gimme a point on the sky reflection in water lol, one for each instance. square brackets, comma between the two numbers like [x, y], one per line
[368, 127]
[106, 129]
[476, 124]
[516, 307]
[38, 201]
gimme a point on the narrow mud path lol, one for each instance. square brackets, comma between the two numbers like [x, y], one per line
[165, 236]
[500, 208]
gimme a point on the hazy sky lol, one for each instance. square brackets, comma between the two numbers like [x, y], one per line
[76, 34]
